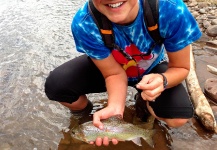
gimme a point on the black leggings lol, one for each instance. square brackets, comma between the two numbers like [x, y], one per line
[80, 76]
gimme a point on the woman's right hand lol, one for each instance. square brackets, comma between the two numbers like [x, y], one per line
[105, 113]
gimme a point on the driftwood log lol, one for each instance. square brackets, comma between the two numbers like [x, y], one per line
[201, 104]
[212, 69]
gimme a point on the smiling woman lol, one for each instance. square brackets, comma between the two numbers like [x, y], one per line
[105, 69]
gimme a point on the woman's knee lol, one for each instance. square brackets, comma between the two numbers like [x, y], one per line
[50, 86]
[176, 122]
[54, 85]
[50, 83]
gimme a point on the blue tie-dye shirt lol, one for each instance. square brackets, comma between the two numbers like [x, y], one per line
[177, 27]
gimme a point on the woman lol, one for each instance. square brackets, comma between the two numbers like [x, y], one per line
[157, 78]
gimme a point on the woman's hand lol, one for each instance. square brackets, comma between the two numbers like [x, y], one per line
[104, 141]
[151, 86]
[105, 113]
[116, 85]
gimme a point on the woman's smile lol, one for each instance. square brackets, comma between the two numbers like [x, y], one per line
[116, 5]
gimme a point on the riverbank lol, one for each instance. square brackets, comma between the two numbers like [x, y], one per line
[205, 12]
[205, 49]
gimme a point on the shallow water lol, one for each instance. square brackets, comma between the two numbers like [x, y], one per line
[36, 38]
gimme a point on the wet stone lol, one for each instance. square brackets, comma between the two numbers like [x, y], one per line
[210, 49]
[212, 43]
[214, 109]
[195, 14]
[193, 4]
[202, 11]
[211, 88]
[214, 22]
[5, 146]
[212, 30]
[204, 38]
[211, 17]
[203, 4]
[206, 24]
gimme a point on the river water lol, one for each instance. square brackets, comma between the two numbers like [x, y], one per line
[35, 37]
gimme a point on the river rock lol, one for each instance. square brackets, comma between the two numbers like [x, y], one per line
[206, 24]
[195, 14]
[202, 11]
[214, 22]
[214, 109]
[211, 49]
[212, 31]
[211, 88]
[192, 4]
[203, 4]
[204, 38]
[212, 43]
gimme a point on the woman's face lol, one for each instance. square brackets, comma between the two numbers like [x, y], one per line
[118, 11]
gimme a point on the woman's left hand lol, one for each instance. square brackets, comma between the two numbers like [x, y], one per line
[151, 86]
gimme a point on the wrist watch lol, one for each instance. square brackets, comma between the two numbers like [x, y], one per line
[165, 83]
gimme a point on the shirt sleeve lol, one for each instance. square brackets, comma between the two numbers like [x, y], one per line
[87, 37]
[177, 25]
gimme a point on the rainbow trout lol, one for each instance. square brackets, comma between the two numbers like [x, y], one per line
[114, 127]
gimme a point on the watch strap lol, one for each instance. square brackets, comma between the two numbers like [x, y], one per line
[165, 83]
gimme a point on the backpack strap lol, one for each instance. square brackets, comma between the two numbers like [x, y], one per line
[103, 24]
[151, 17]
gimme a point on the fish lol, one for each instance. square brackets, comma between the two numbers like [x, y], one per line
[114, 127]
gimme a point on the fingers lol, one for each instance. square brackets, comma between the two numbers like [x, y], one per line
[151, 86]
[150, 82]
[98, 141]
[103, 114]
[104, 141]
[149, 96]
[96, 121]
[114, 141]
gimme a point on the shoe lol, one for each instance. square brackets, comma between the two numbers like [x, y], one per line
[86, 111]
[141, 108]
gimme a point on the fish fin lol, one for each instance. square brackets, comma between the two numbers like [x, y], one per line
[137, 141]
[150, 140]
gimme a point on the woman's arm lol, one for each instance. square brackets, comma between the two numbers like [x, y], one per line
[179, 66]
[116, 84]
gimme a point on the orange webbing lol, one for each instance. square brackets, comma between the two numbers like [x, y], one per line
[106, 31]
[153, 27]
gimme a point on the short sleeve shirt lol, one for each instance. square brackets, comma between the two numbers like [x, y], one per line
[177, 27]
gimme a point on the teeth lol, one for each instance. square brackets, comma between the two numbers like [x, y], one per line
[115, 5]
